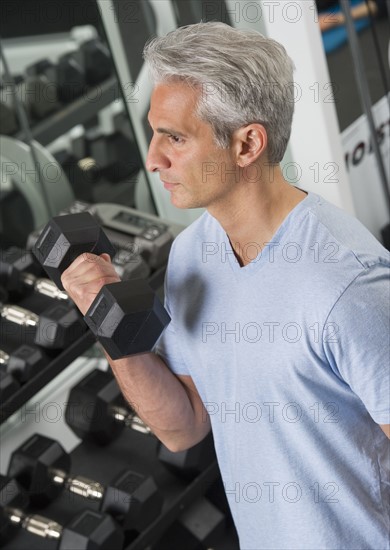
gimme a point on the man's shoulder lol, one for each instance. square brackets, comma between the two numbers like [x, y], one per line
[351, 238]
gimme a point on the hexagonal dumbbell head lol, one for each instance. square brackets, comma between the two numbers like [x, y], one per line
[25, 362]
[64, 238]
[32, 465]
[11, 496]
[13, 262]
[127, 318]
[189, 463]
[90, 530]
[59, 326]
[88, 408]
[135, 498]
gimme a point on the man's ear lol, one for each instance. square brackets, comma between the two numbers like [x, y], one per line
[249, 142]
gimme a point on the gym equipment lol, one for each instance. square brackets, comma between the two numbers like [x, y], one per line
[116, 155]
[8, 386]
[64, 238]
[127, 229]
[41, 98]
[9, 123]
[18, 272]
[96, 410]
[37, 94]
[18, 165]
[200, 527]
[23, 363]
[88, 530]
[82, 173]
[94, 58]
[152, 237]
[41, 466]
[70, 78]
[126, 317]
[55, 328]
[107, 414]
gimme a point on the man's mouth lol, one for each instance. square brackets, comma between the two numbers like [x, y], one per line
[169, 185]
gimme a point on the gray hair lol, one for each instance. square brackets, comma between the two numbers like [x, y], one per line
[243, 78]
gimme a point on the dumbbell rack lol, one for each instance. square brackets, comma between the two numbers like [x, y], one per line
[51, 370]
[63, 359]
[79, 111]
[132, 449]
[138, 452]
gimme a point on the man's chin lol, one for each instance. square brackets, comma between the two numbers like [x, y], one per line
[184, 205]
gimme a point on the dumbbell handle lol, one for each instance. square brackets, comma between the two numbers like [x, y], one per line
[130, 419]
[38, 525]
[19, 315]
[4, 357]
[44, 286]
[79, 485]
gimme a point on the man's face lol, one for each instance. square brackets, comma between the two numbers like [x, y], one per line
[193, 169]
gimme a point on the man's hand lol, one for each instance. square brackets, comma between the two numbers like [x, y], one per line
[86, 276]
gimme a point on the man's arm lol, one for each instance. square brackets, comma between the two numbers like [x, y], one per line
[168, 404]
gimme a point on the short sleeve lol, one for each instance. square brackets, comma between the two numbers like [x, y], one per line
[357, 339]
[168, 345]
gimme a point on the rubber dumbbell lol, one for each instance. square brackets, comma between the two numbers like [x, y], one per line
[42, 466]
[8, 112]
[126, 317]
[87, 530]
[99, 393]
[96, 410]
[55, 328]
[94, 58]
[116, 155]
[82, 173]
[9, 123]
[201, 526]
[8, 386]
[40, 78]
[23, 363]
[18, 273]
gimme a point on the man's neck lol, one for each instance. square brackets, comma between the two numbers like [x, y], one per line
[255, 212]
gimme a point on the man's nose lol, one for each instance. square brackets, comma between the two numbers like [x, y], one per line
[156, 160]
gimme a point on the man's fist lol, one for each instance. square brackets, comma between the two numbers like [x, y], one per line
[84, 278]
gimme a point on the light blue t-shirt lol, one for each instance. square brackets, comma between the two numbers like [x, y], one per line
[290, 355]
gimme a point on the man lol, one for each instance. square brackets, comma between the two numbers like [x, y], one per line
[279, 306]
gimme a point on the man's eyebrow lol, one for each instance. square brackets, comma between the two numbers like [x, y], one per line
[167, 131]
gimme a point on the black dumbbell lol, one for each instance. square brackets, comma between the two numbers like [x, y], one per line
[99, 393]
[19, 272]
[8, 386]
[42, 466]
[82, 173]
[95, 60]
[70, 78]
[116, 155]
[126, 317]
[23, 363]
[86, 531]
[41, 89]
[96, 410]
[56, 327]
[201, 526]
[9, 123]
[9, 119]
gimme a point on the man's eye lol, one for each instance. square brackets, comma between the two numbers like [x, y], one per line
[175, 139]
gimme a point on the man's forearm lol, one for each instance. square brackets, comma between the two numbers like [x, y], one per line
[160, 399]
